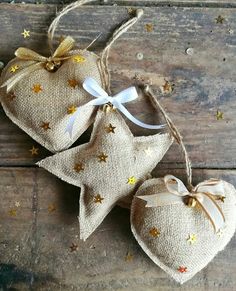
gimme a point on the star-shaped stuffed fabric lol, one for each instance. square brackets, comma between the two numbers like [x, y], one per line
[111, 166]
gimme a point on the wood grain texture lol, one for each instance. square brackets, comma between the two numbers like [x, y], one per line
[35, 244]
[203, 82]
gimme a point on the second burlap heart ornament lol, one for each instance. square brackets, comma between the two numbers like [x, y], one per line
[182, 229]
[40, 93]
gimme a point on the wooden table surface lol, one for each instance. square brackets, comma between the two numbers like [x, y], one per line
[36, 236]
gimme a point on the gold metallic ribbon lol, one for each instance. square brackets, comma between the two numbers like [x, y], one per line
[50, 62]
[204, 194]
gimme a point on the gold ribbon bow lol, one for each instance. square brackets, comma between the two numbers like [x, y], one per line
[204, 194]
[50, 63]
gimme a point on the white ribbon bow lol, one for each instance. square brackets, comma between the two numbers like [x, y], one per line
[204, 193]
[127, 95]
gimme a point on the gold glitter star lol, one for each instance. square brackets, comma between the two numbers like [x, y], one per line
[219, 115]
[131, 180]
[79, 167]
[167, 88]
[129, 257]
[102, 157]
[220, 19]
[26, 33]
[37, 88]
[17, 204]
[51, 208]
[34, 151]
[73, 247]
[110, 128]
[221, 198]
[73, 83]
[192, 238]
[14, 68]
[71, 109]
[12, 212]
[154, 232]
[11, 96]
[79, 59]
[45, 126]
[98, 198]
[149, 27]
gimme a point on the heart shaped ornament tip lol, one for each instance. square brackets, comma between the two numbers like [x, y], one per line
[181, 233]
[41, 101]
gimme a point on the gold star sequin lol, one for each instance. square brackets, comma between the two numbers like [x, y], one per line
[73, 83]
[102, 158]
[110, 128]
[79, 167]
[71, 109]
[14, 68]
[220, 19]
[37, 88]
[11, 96]
[12, 212]
[149, 27]
[79, 59]
[167, 87]
[192, 238]
[154, 232]
[98, 199]
[26, 33]
[73, 247]
[221, 198]
[51, 208]
[219, 115]
[17, 204]
[45, 126]
[132, 180]
[129, 257]
[34, 151]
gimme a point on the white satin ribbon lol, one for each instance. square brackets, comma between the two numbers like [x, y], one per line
[127, 95]
[204, 193]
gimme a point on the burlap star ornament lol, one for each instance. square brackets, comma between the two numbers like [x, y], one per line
[110, 167]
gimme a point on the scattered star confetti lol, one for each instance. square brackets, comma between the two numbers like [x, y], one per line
[51, 208]
[167, 87]
[220, 232]
[219, 115]
[192, 238]
[154, 232]
[79, 59]
[73, 247]
[11, 96]
[220, 19]
[34, 151]
[79, 167]
[17, 204]
[71, 109]
[102, 157]
[14, 68]
[12, 212]
[183, 269]
[148, 152]
[221, 198]
[73, 83]
[129, 257]
[98, 199]
[110, 128]
[45, 126]
[37, 88]
[132, 180]
[149, 27]
[26, 33]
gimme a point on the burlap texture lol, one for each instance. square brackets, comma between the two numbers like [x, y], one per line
[126, 158]
[171, 250]
[29, 109]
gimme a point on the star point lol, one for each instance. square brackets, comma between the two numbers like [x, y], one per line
[182, 269]
[98, 199]
[79, 59]
[26, 33]
[73, 83]
[110, 128]
[37, 88]
[73, 247]
[192, 238]
[132, 180]
[219, 115]
[34, 151]
[14, 68]
[45, 126]
[102, 158]
[154, 232]
[71, 110]
[220, 19]
[79, 167]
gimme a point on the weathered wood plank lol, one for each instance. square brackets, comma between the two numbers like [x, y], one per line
[35, 244]
[204, 82]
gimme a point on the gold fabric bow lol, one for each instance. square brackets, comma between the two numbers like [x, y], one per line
[50, 63]
[203, 194]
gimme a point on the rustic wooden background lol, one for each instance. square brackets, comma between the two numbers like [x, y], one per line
[38, 212]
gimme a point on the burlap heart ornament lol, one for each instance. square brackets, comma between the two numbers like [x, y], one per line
[40, 93]
[182, 229]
